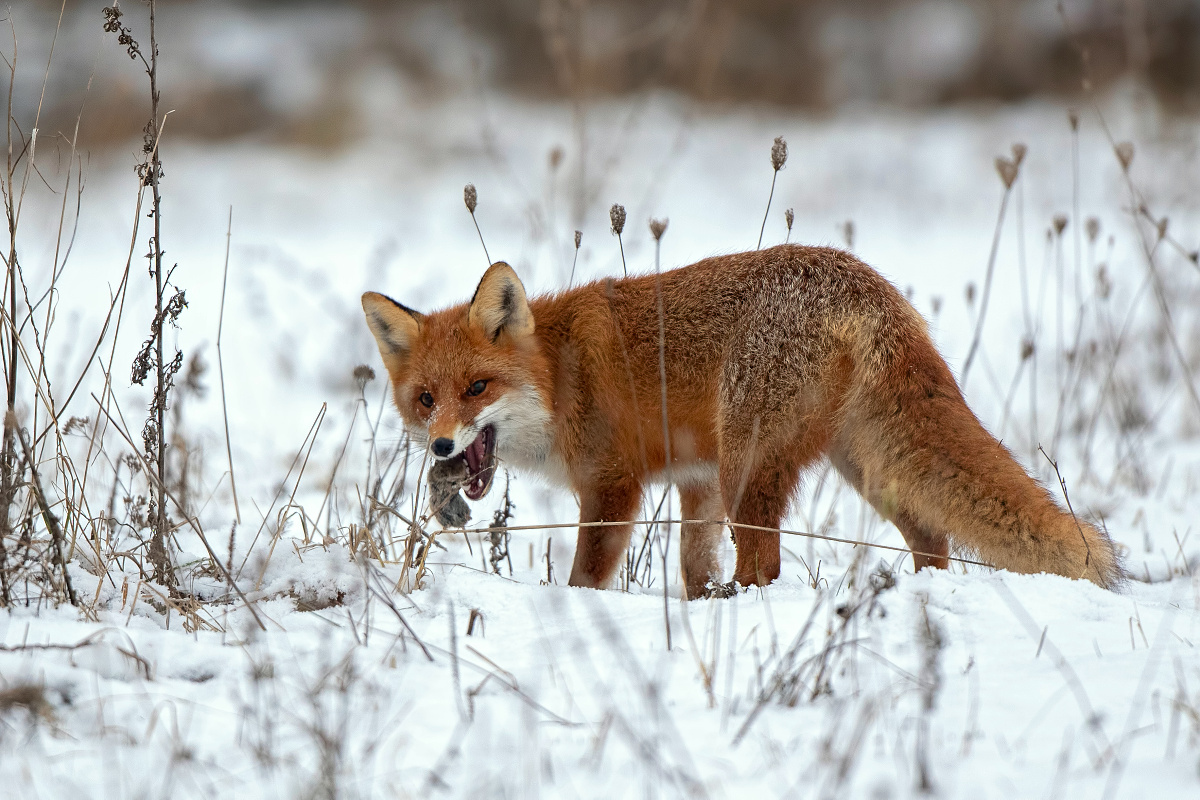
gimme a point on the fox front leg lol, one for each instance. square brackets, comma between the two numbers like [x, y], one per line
[600, 548]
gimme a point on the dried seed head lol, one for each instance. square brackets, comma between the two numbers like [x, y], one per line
[789, 217]
[1073, 118]
[1007, 170]
[470, 197]
[28, 696]
[1093, 228]
[657, 228]
[616, 215]
[1103, 283]
[363, 374]
[882, 579]
[1162, 228]
[1060, 223]
[1194, 256]
[779, 153]
[848, 233]
[1019, 150]
[937, 304]
[1027, 349]
[578, 238]
[556, 157]
[1124, 154]
[971, 294]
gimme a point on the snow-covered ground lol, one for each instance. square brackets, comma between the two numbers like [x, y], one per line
[850, 676]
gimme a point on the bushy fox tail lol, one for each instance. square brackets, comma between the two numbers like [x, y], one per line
[923, 459]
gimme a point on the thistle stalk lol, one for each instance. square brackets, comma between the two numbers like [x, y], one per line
[779, 154]
[471, 200]
[657, 228]
[151, 355]
[575, 260]
[158, 543]
[616, 215]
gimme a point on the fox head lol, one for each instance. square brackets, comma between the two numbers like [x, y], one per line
[466, 380]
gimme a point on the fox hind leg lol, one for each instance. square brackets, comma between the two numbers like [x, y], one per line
[757, 484]
[930, 548]
[759, 501]
[699, 542]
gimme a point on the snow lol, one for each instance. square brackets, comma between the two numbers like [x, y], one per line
[1041, 682]
[850, 676]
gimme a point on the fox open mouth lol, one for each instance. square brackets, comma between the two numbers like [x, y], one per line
[480, 457]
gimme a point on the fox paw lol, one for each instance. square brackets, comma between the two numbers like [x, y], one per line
[723, 590]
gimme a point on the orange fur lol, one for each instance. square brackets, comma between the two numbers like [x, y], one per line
[774, 358]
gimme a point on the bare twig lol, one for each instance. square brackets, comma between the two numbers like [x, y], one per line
[221, 367]
[91, 639]
[1087, 560]
[10, 422]
[1005, 173]
[737, 525]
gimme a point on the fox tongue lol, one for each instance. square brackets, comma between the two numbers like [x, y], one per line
[474, 455]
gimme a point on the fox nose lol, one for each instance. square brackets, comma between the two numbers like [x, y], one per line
[443, 447]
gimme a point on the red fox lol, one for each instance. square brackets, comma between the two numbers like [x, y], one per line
[773, 359]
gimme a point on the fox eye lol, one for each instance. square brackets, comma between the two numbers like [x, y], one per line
[477, 388]
[426, 399]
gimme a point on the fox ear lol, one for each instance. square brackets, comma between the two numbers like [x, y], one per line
[395, 328]
[499, 305]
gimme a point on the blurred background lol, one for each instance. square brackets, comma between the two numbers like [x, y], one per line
[286, 71]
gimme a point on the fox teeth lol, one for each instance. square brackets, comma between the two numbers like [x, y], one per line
[480, 457]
